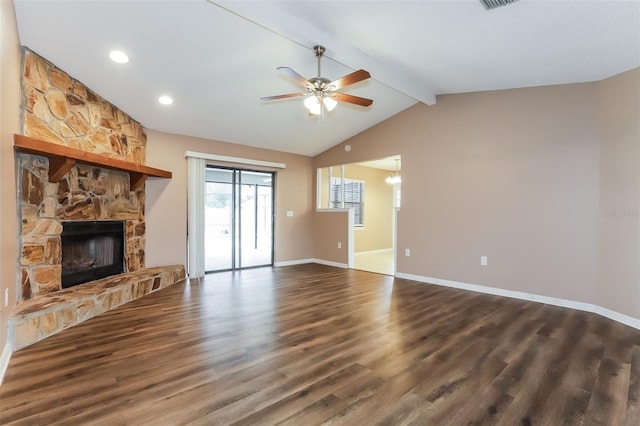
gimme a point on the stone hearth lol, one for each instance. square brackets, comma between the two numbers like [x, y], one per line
[44, 316]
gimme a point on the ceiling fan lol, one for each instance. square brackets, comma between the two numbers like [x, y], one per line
[321, 91]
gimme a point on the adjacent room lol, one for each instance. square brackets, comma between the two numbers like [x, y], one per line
[320, 212]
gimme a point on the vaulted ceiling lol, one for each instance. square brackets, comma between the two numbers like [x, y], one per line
[217, 58]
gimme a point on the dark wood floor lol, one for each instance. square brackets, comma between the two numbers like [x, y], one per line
[311, 344]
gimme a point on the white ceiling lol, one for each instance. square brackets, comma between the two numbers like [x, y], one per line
[216, 59]
[388, 163]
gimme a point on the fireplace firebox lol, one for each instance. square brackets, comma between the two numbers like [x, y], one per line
[91, 250]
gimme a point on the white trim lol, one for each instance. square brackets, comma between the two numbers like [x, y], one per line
[293, 262]
[342, 186]
[4, 360]
[318, 187]
[617, 316]
[374, 251]
[351, 239]
[330, 263]
[395, 240]
[587, 307]
[237, 160]
[346, 180]
[323, 210]
[311, 260]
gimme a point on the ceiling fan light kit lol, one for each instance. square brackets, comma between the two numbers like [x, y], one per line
[321, 92]
[314, 105]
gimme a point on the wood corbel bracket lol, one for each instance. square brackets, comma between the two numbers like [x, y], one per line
[58, 167]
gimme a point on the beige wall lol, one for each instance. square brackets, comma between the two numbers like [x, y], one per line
[331, 227]
[9, 125]
[512, 175]
[619, 215]
[166, 204]
[378, 208]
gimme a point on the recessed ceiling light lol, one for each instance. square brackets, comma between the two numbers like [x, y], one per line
[165, 100]
[119, 57]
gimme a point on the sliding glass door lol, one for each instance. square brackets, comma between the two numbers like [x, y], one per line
[238, 219]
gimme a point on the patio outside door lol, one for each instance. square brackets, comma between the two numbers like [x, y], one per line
[238, 219]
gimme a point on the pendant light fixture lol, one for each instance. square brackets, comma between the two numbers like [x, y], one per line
[395, 176]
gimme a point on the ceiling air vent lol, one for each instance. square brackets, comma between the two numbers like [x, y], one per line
[492, 4]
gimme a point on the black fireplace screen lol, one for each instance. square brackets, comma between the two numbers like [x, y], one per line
[91, 250]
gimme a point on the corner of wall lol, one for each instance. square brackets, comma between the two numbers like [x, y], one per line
[619, 203]
[10, 61]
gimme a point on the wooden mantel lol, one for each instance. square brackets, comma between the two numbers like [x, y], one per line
[62, 159]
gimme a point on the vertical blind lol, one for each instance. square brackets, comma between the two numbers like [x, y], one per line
[195, 215]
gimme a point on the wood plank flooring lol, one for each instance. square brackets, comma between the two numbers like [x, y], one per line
[312, 344]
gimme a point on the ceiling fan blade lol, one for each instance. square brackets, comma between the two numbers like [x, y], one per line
[352, 99]
[294, 75]
[348, 79]
[288, 95]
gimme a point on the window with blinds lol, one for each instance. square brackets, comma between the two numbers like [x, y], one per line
[353, 197]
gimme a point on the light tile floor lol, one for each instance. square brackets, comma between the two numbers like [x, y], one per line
[380, 261]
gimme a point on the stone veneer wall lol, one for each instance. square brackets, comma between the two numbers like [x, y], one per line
[59, 109]
[56, 108]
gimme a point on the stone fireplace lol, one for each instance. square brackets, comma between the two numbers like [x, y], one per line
[61, 110]
[85, 194]
[91, 250]
[65, 201]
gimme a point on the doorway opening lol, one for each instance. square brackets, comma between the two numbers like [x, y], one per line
[238, 218]
[372, 189]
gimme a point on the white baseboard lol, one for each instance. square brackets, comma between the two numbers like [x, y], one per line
[588, 307]
[374, 251]
[330, 263]
[4, 360]
[293, 262]
[313, 260]
[617, 316]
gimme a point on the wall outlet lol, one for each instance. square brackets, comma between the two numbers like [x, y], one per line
[6, 297]
[339, 244]
[289, 213]
[483, 260]
[407, 252]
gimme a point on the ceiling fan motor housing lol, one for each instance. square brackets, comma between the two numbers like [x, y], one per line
[319, 84]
